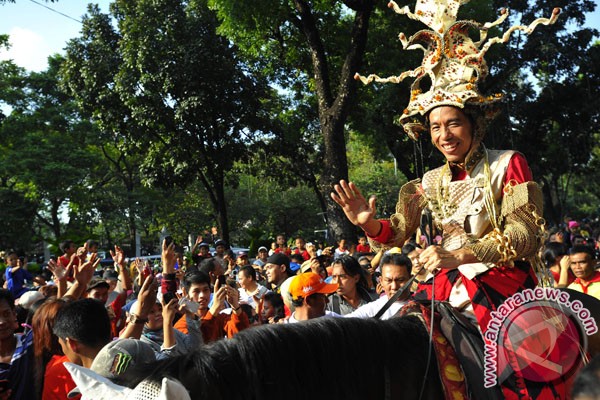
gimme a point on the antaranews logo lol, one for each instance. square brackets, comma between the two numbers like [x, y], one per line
[541, 332]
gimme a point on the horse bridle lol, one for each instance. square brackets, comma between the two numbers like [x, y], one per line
[426, 222]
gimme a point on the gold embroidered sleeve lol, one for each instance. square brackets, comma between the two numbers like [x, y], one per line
[521, 233]
[407, 217]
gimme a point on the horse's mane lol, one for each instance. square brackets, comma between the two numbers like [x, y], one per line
[335, 358]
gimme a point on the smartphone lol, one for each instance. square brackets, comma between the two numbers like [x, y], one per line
[147, 271]
[167, 297]
[232, 283]
[190, 305]
[222, 280]
[168, 240]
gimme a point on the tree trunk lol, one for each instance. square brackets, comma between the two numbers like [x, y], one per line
[552, 206]
[334, 110]
[221, 208]
[55, 219]
[335, 168]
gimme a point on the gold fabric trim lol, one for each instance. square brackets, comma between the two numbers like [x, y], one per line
[522, 233]
[406, 220]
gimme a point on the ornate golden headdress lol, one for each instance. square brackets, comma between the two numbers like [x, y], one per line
[454, 63]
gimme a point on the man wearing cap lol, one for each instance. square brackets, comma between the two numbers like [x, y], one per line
[200, 251]
[277, 270]
[220, 248]
[309, 296]
[241, 260]
[115, 359]
[261, 258]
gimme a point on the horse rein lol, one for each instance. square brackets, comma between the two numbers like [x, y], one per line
[426, 221]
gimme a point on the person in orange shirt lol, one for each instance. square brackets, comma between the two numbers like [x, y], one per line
[214, 324]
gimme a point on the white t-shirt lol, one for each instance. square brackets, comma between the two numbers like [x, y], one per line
[247, 298]
[370, 309]
[338, 253]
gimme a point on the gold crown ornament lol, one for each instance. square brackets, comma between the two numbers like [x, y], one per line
[452, 61]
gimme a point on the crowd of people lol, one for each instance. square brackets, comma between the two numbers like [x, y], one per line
[110, 318]
[469, 233]
[78, 311]
[571, 258]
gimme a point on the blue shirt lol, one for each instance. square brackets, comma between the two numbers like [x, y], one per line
[16, 280]
[19, 372]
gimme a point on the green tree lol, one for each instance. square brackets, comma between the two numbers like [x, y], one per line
[47, 154]
[551, 89]
[171, 89]
[312, 49]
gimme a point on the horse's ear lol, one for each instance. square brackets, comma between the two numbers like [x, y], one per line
[94, 386]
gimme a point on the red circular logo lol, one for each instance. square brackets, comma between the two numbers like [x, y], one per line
[541, 341]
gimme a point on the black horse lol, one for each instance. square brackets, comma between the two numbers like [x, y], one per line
[325, 358]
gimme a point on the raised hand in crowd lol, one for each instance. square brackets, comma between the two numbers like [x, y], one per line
[328, 251]
[59, 272]
[145, 301]
[118, 256]
[60, 276]
[80, 253]
[565, 267]
[260, 302]
[169, 310]
[230, 263]
[220, 293]
[199, 239]
[233, 298]
[168, 257]
[83, 275]
[139, 266]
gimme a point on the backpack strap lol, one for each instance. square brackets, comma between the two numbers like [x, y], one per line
[335, 303]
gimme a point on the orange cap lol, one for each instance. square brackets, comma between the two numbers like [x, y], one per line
[308, 283]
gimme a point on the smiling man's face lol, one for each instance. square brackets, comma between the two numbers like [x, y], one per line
[451, 132]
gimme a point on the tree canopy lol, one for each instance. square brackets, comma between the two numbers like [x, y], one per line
[191, 113]
[163, 80]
